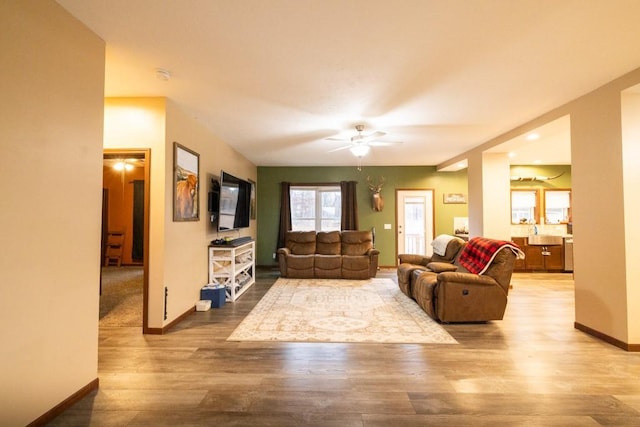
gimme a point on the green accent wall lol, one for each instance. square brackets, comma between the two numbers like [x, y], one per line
[397, 178]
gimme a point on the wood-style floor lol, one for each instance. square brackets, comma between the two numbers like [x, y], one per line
[530, 369]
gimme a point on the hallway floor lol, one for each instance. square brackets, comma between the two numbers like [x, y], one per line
[532, 368]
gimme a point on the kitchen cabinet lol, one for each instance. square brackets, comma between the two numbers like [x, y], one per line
[540, 257]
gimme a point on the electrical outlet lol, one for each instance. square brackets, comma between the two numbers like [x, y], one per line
[274, 255]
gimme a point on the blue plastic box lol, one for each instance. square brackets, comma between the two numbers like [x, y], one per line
[216, 295]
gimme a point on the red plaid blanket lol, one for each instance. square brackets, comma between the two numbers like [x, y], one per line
[478, 253]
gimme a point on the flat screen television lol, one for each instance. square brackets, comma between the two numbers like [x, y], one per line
[235, 202]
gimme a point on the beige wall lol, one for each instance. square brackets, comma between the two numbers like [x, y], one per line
[52, 87]
[140, 123]
[489, 195]
[631, 177]
[186, 242]
[598, 220]
[178, 250]
[606, 299]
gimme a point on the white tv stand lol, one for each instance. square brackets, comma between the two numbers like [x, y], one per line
[232, 265]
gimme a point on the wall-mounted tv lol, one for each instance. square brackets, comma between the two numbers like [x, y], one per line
[235, 202]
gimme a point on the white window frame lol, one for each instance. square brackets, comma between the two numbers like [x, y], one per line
[318, 189]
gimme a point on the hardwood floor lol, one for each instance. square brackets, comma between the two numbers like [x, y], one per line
[532, 368]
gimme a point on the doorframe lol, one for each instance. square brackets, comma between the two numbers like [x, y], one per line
[146, 152]
[433, 213]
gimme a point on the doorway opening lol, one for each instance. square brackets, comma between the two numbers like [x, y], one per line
[124, 260]
[415, 219]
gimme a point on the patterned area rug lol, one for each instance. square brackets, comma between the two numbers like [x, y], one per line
[317, 310]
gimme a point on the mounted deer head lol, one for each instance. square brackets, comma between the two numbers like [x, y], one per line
[376, 198]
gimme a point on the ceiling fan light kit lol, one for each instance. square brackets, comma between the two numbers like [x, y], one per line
[359, 145]
[360, 150]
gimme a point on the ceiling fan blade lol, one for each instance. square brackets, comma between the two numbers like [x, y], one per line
[340, 148]
[336, 139]
[384, 143]
[374, 135]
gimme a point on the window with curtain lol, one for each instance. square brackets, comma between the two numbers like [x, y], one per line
[315, 208]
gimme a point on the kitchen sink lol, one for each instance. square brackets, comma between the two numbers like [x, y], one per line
[545, 240]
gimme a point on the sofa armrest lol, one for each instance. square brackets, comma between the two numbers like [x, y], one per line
[467, 297]
[283, 253]
[440, 267]
[467, 279]
[414, 259]
[373, 261]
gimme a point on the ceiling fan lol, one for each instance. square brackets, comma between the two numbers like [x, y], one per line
[361, 143]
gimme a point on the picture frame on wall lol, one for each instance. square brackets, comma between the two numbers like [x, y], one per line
[454, 198]
[186, 183]
[252, 210]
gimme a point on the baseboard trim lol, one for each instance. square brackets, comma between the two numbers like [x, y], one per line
[606, 338]
[51, 414]
[167, 327]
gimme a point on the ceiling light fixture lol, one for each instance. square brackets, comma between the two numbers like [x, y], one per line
[163, 74]
[123, 165]
[360, 150]
[533, 136]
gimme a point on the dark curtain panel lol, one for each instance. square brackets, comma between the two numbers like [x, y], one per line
[285, 212]
[349, 218]
[137, 247]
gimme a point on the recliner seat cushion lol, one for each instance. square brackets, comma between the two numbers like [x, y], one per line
[327, 266]
[300, 266]
[355, 267]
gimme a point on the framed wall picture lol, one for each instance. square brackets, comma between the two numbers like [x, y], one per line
[454, 198]
[186, 182]
[252, 206]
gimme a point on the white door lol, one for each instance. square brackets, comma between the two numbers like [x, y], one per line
[415, 221]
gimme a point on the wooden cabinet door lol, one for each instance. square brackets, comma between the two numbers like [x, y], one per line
[555, 261]
[533, 258]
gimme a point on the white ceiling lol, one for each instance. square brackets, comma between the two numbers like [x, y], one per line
[275, 78]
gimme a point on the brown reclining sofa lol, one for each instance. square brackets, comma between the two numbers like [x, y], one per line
[328, 255]
[448, 291]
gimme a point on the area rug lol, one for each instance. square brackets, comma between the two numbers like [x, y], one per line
[317, 310]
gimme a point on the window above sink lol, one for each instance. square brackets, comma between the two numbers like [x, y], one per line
[524, 206]
[557, 206]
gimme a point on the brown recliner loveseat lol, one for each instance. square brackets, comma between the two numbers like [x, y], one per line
[473, 288]
[347, 254]
[408, 263]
